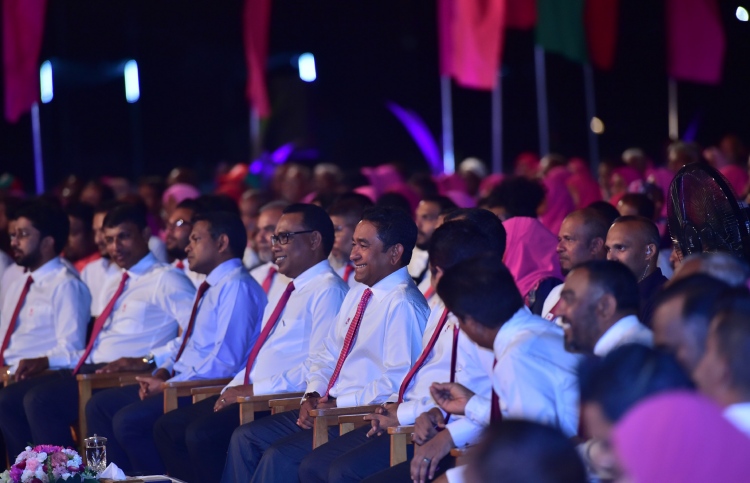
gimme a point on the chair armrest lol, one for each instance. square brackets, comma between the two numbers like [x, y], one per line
[323, 412]
[401, 430]
[109, 379]
[460, 452]
[267, 398]
[209, 390]
[400, 436]
[223, 381]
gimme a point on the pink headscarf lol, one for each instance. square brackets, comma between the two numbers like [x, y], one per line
[180, 192]
[527, 164]
[531, 252]
[628, 175]
[558, 201]
[737, 178]
[449, 182]
[582, 185]
[383, 178]
[488, 183]
[681, 436]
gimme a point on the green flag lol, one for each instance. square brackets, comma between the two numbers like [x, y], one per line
[560, 28]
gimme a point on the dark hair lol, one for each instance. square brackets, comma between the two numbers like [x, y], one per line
[615, 279]
[394, 200]
[214, 203]
[516, 451]
[315, 218]
[443, 202]
[732, 330]
[701, 294]
[485, 220]
[608, 212]
[481, 288]
[394, 226]
[642, 204]
[595, 224]
[518, 195]
[627, 375]
[460, 240]
[126, 213]
[83, 212]
[49, 219]
[225, 223]
[648, 227]
[189, 204]
[350, 205]
[106, 206]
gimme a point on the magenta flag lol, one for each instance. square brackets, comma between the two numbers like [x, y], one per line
[23, 30]
[695, 41]
[471, 41]
[256, 26]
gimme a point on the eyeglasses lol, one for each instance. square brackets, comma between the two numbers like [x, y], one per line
[19, 235]
[177, 224]
[284, 237]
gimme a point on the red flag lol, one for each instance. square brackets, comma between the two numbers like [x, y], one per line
[23, 29]
[601, 31]
[520, 14]
[256, 23]
[471, 41]
[695, 41]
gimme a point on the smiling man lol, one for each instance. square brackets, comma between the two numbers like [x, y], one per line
[178, 228]
[374, 342]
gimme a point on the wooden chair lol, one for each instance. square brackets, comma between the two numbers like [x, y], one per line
[460, 454]
[249, 405]
[351, 422]
[401, 436]
[327, 417]
[201, 393]
[175, 390]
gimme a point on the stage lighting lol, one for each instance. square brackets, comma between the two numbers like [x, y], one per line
[306, 64]
[132, 89]
[742, 14]
[45, 81]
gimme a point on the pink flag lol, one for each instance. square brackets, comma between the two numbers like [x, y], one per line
[471, 41]
[256, 26]
[695, 41]
[520, 14]
[23, 28]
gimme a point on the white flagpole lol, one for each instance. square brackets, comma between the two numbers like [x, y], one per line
[541, 100]
[497, 124]
[674, 131]
[36, 132]
[255, 148]
[449, 160]
[588, 81]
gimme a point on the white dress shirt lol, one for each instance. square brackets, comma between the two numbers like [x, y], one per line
[418, 264]
[226, 326]
[283, 361]
[11, 274]
[551, 301]
[53, 318]
[340, 271]
[627, 330]
[388, 342]
[535, 377]
[279, 283]
[250, 259]
[158, 248]
[424, 286]
[97, 276]
[195, 277]
[739, 415]
[157, 298]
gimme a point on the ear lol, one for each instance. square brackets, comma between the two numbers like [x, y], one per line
[650, 251]
[146, 233]
[47, 244]
[222, 243]
[394, 254]
[606, 306]
[315, 240]
[596, 245]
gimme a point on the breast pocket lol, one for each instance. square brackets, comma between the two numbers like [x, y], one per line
[37, 317]
[130, 317]
[291, 336]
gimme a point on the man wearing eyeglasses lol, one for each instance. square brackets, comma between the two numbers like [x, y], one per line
[267, 274]
[178, 230]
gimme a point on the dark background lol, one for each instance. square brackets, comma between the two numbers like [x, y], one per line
[193, 112]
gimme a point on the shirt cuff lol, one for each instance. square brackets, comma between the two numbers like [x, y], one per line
[478, 410]
[464, 431]
[407, 413]
[347, 400]
[316, 386]
[161, 354]
[456, 475]
[238, 380]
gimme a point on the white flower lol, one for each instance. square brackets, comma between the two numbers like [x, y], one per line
[5, 477]
[41, 457]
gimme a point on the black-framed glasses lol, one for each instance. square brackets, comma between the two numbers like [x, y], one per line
[284, 237]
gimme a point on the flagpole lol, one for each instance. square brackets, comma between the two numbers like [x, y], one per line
[541, 100]
[36, 132]
[449, 160]
[255, 148]
[497, 124]
[588, 81]
[674, 132]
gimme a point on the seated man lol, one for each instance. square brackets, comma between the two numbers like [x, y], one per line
[178, 228]
[131, 334]
[98, 274]
[193, 440]
[44, 316]
[224, 324]
[366, 450]
[80, 250]
[345, 213]
[267, 275]
[634, 241]
[375, 340]
[427, 217]
[598, 307]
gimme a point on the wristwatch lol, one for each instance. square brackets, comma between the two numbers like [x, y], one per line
[307, 396]
[150, 360]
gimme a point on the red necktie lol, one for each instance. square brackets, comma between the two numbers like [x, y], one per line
[348, 272]
[495, 415]
[201, 290]
[99, 323]
[350, 335]
[14, 318]
[429, 293]
[275, 315]
[422, 358]
[269, 279]
[180, 265]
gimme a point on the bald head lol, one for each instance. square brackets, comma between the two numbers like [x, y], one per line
[634, 241]
[722, 266]
[581, 238]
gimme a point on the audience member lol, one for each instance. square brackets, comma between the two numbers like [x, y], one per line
[721, 266]
[178, 228]
[80, 249]
[427, 218]
[345, 213]
[267, 275]
[97, 274]
[606, 211]
[636, 204]
[250, 204]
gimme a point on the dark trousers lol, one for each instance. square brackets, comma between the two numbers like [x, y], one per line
[269, 450]
[193, 440]
[127, 422]
[401, 473]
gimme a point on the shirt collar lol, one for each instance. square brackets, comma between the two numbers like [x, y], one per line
[143, 266]
[222, 270]
[613, 336]
[387, 284]
[506, 330]
[46, 269]
[312, 272]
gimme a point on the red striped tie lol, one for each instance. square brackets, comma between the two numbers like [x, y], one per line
[275, 316]
[350, 335]
[495, 414]
[348, 272]
[422, 358]
[180, 264]
[14, 318]
[99, 323]
[269, 279]
[429, 293]
[201, 290]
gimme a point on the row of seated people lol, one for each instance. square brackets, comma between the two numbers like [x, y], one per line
[376, 342]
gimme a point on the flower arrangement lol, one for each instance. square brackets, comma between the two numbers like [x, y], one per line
[47, 464]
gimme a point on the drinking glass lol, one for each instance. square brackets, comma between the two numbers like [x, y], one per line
[96, 453]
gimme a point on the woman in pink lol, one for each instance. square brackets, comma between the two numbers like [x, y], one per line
[620, 180]
[582, 186]
[558, 203]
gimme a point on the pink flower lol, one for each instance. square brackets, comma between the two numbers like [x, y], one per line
[32, 464]
[58, 459]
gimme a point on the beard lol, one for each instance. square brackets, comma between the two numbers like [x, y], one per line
[28, 260]
[176, 253]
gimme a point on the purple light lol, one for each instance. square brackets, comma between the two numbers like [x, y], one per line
[421, 135]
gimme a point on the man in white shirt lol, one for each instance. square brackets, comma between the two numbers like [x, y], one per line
[98, 274]
[178, 228]
[365, 451]
[250, 203]
[427, 217]
[581, 238]
[146, 306]
[533, 378]
[44, 316]
[13, 271]
[224, 324]
[598, 309]
[193, 441]
[723, 373]
[345, 213]
[267, 274]
[375, 340]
